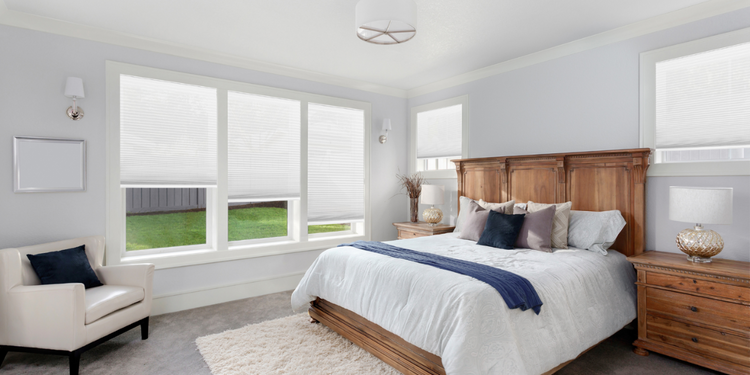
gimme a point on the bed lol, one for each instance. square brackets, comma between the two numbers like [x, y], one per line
[422, 320]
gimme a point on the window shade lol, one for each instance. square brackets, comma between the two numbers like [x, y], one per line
[439, 132]
[336, 165]
[167, 133]
[703, 100]
[264, 148]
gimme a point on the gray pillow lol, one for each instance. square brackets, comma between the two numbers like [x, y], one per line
[503, 208]
[594, 231]
[473, 225]
[536, 232]
[562, 221]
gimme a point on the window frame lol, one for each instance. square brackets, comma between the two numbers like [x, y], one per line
[463, 100]
[217, 247]
[647, 128]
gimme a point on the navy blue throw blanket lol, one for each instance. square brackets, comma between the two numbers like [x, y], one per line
[517, 292]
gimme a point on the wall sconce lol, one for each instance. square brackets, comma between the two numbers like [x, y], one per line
[74, 89]
[386, 128]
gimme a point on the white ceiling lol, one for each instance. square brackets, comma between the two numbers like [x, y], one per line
[453, 36]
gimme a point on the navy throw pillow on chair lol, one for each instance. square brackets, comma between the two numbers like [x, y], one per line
[64, 266]
[501, 230]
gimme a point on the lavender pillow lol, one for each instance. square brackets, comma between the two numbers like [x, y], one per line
[536, 232]
[473, 225]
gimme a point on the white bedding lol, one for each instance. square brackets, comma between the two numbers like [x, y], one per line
[587, 297]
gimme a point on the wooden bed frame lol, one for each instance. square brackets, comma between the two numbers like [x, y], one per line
[593, 181]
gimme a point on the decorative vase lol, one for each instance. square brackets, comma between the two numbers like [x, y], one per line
[414, 209]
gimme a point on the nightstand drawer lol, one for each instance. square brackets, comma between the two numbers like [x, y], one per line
[727, 345]
[704, 310]
[699, 286]
[404, 235]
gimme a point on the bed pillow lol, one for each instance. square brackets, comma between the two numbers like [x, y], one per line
[473, 225]
[501, 230]
[560, 225]
[64, 266]
[536, 231]
[594, 231]
[505, 208]
[463, 213]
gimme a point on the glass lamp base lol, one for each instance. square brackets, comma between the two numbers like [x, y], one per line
[697, 259]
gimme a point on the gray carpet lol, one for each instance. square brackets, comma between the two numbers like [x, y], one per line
[171, 348]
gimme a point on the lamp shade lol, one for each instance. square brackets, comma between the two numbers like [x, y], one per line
[74, 87]
[432, 194]
[700, 205]
[387, 124]
[386, 21]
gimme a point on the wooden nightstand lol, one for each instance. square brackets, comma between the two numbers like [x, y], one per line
[699, 313]
[421, 229]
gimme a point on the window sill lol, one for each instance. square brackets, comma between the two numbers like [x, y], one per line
[443, 173]
[723, 168]
[208, 255]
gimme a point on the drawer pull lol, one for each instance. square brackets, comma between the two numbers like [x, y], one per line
[693, 308]
[694, 339]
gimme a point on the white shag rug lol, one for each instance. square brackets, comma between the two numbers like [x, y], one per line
[290, 345]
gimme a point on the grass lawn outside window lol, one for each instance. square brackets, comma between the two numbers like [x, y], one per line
[158, 230]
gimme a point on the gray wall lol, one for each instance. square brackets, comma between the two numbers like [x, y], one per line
[32, 79]
[589, 101]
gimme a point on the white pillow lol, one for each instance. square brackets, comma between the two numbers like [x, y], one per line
[464, 202]
[594, 231]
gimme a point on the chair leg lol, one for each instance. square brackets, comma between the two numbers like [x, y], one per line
[3, 352]
[144, 328]
[75, 361]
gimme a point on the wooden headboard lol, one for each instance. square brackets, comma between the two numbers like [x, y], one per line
[593, 181]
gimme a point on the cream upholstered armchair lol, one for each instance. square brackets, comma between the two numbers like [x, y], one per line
[67, 319]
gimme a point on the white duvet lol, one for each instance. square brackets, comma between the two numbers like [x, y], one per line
[587, 297]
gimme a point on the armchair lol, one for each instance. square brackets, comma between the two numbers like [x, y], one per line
[66, 319]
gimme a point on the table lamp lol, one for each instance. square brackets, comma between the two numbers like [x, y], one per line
[432, 195]
[700, 205]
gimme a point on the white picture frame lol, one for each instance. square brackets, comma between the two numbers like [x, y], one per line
[44, 165]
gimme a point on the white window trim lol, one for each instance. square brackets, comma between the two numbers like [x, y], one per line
[217, 248]
[445, 173]
[648, 62]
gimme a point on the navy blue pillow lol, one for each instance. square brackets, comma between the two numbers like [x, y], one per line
[64, 266]
[501, 230]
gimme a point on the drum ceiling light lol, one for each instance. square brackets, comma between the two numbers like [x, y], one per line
[386, 21]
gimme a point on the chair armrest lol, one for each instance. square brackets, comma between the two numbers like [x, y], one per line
[10, 269]
[141, 275]
[46, 316]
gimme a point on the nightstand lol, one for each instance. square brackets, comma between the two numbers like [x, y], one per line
[696, 312]
[421, 229]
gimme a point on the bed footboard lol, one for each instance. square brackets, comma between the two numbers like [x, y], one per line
[369, 336]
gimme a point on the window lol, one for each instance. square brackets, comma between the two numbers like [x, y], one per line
[264, 165]
[439, 134]
[336, 197]
[204, 170]
[695, 106]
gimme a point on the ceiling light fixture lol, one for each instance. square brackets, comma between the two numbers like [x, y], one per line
[386, 21]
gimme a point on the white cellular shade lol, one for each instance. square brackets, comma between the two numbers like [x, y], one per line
[700, 205]
[167, 133]
[336, 167]
[703, 100]
[439, 132]
[264, 148]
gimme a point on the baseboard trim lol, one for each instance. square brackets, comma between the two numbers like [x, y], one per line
[173, 302]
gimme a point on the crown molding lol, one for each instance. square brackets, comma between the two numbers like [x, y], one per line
[661, 22]
[54, 26]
